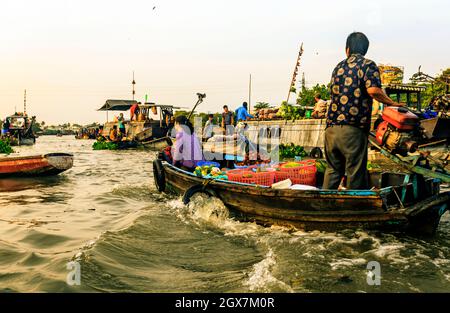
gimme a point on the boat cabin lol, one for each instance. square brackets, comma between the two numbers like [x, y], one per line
[145, 122]
[404, 93]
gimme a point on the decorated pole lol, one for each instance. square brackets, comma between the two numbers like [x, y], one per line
[294, 76]
[25, 103]
[250, 93]
[133, 83]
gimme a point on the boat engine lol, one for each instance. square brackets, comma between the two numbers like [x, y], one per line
[399, 130]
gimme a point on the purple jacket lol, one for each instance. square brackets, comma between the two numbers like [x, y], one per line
[187, 149]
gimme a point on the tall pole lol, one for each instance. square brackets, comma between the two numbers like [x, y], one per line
[294, 76]
[133, 83]
[250, 93]
[25, 103]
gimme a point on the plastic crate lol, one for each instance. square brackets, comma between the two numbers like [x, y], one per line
[261, 178]
[303, 175]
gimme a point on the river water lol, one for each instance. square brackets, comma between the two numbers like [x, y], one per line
[106, 215]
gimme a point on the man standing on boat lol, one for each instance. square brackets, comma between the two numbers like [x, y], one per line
[227, 120]
[242, 113]
[354, 83]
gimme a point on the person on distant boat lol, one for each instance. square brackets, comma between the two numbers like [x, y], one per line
[227, 121]
[208, 129]
[320, 108]
[354, 82]
[242, 113]
[5, 127]
[134, 111]
[113, 135]
[121, 124]
[187, 151]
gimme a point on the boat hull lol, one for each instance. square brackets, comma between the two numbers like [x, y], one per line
[328, 210]
[157, 144]
[32, 166]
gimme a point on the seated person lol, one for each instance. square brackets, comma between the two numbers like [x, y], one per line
[187, 151]
[100, 136]
[320, 108]
[113, 134]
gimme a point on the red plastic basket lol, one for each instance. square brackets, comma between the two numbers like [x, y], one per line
[304, 175]
[260, 178]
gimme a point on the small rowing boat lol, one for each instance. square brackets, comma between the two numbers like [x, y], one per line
[157, 144]
[37, 165]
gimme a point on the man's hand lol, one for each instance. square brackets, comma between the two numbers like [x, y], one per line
[379, 95]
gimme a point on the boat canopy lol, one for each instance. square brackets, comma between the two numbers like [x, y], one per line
[125, 105]
[117, 105]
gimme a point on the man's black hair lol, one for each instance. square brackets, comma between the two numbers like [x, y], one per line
[357, 43]
[318, 96]
[245, 104]
[225, 106]
[211, 115]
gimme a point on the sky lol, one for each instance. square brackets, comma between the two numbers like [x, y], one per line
[71, 56]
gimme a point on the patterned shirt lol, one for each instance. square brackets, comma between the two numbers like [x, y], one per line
[350, 102]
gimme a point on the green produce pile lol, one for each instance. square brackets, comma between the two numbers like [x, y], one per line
[290, 112]
[105, 145]
[5, 146]
[291, 151]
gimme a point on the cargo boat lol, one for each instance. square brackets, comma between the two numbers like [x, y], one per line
[394, 203]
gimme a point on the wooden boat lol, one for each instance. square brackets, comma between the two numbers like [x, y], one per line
[21, 128]
[158, 144]
[394, 203]
[38, 165]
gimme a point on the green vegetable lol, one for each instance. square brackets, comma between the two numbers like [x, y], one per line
[291, 151]
[5, 146]
[321, 166]
[105, 145]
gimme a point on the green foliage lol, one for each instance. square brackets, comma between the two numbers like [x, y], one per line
[290, 112]
[105, 145]
[5, 146]
[261, 105]
[436, 89]
[291, 151]
[204, 116]
[306, 96]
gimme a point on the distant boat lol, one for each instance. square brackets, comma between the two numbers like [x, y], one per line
[21, 128]
[38, 165]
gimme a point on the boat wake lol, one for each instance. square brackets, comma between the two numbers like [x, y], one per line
[262, 279]
[211, 213]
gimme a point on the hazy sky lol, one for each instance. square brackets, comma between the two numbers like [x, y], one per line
[73, 55]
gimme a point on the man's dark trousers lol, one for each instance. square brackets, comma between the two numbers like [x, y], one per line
[346, 154]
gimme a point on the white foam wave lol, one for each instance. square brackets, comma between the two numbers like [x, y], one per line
[261, 278]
